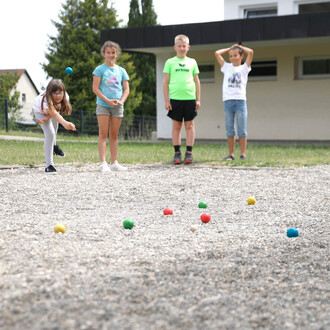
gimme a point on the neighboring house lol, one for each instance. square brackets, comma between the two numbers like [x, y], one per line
[28, 92]
[288, 89]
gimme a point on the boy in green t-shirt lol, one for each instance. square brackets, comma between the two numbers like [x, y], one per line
[181, 88]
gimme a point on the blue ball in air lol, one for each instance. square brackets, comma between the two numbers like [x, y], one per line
[292, 232]
[68, 70]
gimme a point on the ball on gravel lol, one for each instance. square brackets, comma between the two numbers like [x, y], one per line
[68, 70]
[251, 200]
[193, 228]
[59, 228]
[205, 217]
[292, 232]
[128, 224]
[168, 211]
[202, 205]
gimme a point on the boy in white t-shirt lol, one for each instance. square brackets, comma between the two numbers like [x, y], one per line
[234, 95]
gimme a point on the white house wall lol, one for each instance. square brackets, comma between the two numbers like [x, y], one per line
[24, 86]
[234, 9]
[284, 109]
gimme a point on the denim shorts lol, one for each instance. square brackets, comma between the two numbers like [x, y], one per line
[238, 109]
[111, 112]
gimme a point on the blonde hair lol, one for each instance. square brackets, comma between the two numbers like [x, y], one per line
[181, 37]
[110, 44]
[56, 85]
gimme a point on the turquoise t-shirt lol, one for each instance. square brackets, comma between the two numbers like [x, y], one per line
[111, 82]
[182, 84]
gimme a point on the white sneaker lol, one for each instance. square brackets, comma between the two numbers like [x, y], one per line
[117, 167]
[104, 167]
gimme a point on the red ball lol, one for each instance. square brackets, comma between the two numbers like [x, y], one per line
[205, 217]
[168, 211]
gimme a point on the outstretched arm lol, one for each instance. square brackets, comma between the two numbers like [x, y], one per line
[219, 53]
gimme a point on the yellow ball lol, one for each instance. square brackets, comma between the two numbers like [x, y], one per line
[251, 200]
[59, 228]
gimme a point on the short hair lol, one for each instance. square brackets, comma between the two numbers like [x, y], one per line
[240, 50]
[181, 37]
[110, 44]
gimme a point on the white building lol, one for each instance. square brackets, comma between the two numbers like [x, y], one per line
[28, 92]
[288, 89]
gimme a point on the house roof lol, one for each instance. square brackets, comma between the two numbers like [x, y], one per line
[277, 28]
[20, 72]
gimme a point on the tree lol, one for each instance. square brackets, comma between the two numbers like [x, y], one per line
[145, 64]
[77, 45]
[8, 83]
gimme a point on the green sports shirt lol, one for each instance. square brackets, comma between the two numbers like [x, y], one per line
[181, 84]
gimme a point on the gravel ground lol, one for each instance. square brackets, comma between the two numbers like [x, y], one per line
[238, 271]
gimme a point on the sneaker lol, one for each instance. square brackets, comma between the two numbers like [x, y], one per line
[104, 167]
[117, 167]
[243, 157]
[229, 157]
[50, 169]
[58, 151]
[188, 158]
[177, 158]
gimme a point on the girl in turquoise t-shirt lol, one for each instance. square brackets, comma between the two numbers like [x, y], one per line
[110, 85]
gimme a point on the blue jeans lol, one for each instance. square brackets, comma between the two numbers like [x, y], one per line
[236, 108]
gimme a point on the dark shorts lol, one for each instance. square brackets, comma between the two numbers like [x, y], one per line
[183, 110]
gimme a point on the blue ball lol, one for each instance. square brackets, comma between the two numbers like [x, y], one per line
[292, 232]
[68, 70]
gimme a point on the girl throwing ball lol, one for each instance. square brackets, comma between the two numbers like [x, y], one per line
[48, 109]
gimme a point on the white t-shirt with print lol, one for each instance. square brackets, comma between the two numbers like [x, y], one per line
[234, 81]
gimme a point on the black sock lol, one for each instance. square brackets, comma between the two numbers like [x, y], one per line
[177, 148]
[189, 148]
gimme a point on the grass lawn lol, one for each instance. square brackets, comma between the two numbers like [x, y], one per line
[85, 150]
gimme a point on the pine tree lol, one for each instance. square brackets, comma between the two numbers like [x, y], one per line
[77, 45]
[145, 64]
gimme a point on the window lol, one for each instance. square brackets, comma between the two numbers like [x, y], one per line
[23, 98]
[260, 12]
[263, 70]
[314, 67]
[206, 72]
[314, 7]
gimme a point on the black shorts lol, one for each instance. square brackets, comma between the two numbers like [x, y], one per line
[182, 110]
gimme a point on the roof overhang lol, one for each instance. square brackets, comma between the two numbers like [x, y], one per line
[263, 31]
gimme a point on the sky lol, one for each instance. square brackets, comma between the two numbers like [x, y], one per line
[25, 27]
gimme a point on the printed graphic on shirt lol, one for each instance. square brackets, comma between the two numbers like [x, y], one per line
[182, 68]
[111, 83]
[235, 79]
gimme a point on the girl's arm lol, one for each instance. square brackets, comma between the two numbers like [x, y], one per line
[249, 53]
[198, 91]
[97, 91]
[166, 81]
[43, 120]
[125, 92]
[219, 53]
[54, 114]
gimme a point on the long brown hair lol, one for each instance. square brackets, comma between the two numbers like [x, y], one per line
[56, 85]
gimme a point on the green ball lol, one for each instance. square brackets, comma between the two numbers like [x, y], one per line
[202, 205]
[128, 224]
